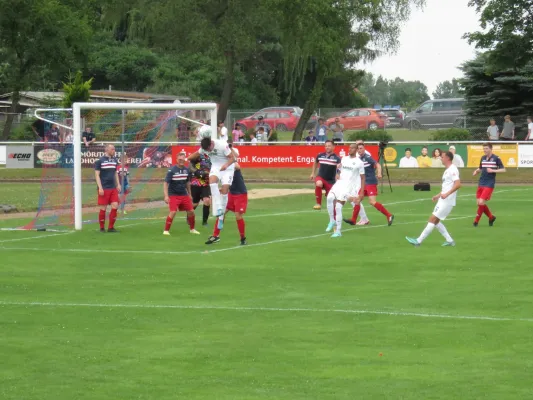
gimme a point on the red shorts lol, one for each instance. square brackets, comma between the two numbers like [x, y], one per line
[237, 203]
[180, 203]
[325, 184]
[484, 193]
[109, 196]
[371, 190]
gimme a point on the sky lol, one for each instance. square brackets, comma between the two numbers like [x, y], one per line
[431, 45]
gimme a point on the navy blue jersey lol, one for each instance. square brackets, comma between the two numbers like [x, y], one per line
[108, 170]
[489, 179]
[370, 170]
[238, 186]
[328, 166]
[177, 179]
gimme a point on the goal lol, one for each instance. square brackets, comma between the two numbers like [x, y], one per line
[147, 138]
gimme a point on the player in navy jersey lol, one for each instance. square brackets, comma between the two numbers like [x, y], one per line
[177, 191]
[371, 185]
[237, 203]
[489, 166]
[327, 172]
[105, 171]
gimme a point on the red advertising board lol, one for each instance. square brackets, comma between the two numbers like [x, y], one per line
[277, 156]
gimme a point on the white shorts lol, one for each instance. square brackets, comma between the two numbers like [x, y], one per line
[442, 209]
[224, 177]
[341, 191]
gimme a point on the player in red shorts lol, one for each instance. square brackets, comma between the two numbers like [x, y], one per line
[105, 171]
[327, 172]
[489, 166]
[371, 186]
[237, 203]
[177, 190]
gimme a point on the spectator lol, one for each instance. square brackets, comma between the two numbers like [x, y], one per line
[182, 133]
[338, 131]
[457, 159]
[321, 130]
[408, 161]
[53, 135]
[222, 131]
[69, 137]
[88, 137]
[493, 131]
[237, 133]
[253, 139]
[423, 159]
[261, 124]
[436, 160]
[508, 129]
[529, 128]
[260, 135]
[38, 128]
[311, 138]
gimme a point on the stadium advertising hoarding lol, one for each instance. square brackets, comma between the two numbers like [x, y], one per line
[525, 155]
[277, 156]
[393, 154]
[19, 157]
[2, 155]
[507, 152]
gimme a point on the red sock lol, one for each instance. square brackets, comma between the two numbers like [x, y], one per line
[355, 214]
[168, 224]
[488, 213]
[240, 225]
[112, 218]
[480, 211]
[191, 220]
[318, 195]
[382, 209]
[101, 219]
[216, 232]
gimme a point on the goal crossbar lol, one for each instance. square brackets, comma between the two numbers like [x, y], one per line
[76, 126]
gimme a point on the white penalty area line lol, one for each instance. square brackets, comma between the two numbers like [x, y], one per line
[265, 309]
[44, 235]
[166, 252]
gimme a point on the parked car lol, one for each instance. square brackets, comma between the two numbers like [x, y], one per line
[395, 116]
[360, 118]
[279, 118]
[439, 113]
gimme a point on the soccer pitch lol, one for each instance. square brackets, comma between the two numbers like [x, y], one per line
[293, 315]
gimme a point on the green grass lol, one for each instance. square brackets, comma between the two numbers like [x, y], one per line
[294, 315]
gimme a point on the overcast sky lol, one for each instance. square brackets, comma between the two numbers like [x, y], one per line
[431, 44]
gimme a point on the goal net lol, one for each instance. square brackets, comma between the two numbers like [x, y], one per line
[147, 138]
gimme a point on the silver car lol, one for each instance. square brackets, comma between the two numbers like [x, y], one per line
[440, 113]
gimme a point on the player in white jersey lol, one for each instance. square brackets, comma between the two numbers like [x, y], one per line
[222, 169]
[363, 218]
[445, 203]
[349, 187]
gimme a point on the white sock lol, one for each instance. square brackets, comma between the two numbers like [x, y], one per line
[425, 233]
[215, 197]
[330, 202]
[444, 232]
[224, 203]
[362, 213]
[338, 216]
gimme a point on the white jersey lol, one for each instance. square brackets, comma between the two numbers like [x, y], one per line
[224, 134]
[220, 153]
[351, 171]
[448, 179]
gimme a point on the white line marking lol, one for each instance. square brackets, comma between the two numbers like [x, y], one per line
[43, 236]
[217, 250]
[267, 309]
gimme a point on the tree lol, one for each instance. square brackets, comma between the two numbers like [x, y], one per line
[36, 35]
[76, 90]
[394, 92]
[448, 90]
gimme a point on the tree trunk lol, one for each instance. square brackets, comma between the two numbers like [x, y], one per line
[229, 83]
[15, 98]
[310, 105]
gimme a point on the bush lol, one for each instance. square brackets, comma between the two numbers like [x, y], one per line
[370, 136]
[452, 135]
[22, 132]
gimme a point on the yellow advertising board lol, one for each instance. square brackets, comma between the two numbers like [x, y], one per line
[507, 152]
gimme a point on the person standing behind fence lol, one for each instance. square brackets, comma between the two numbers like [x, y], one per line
[529, 128]
[182, 133]
[508, 129]
[237, 134]
[321, 130]
[493, 131]
[338, 131]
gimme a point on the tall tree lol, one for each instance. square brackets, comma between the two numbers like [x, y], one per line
[37, 35]
[448, 90]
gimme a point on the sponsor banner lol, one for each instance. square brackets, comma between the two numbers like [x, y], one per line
[397, 155]
[507, 152]
[2, 155]
[19, 157]
[137, 156]
[274, 156]
[525, 155]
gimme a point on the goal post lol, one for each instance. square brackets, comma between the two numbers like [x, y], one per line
[78, 108]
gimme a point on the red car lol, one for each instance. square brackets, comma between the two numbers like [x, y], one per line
[281, 119]
[360, 118]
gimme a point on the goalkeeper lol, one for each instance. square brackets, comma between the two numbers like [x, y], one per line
[200, 190]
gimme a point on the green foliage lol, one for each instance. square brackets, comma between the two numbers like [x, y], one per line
[23, 132]
[76, 90]
[274, 136]
[452, 135]
[393, 92]
[448, 90]
[370, 136]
